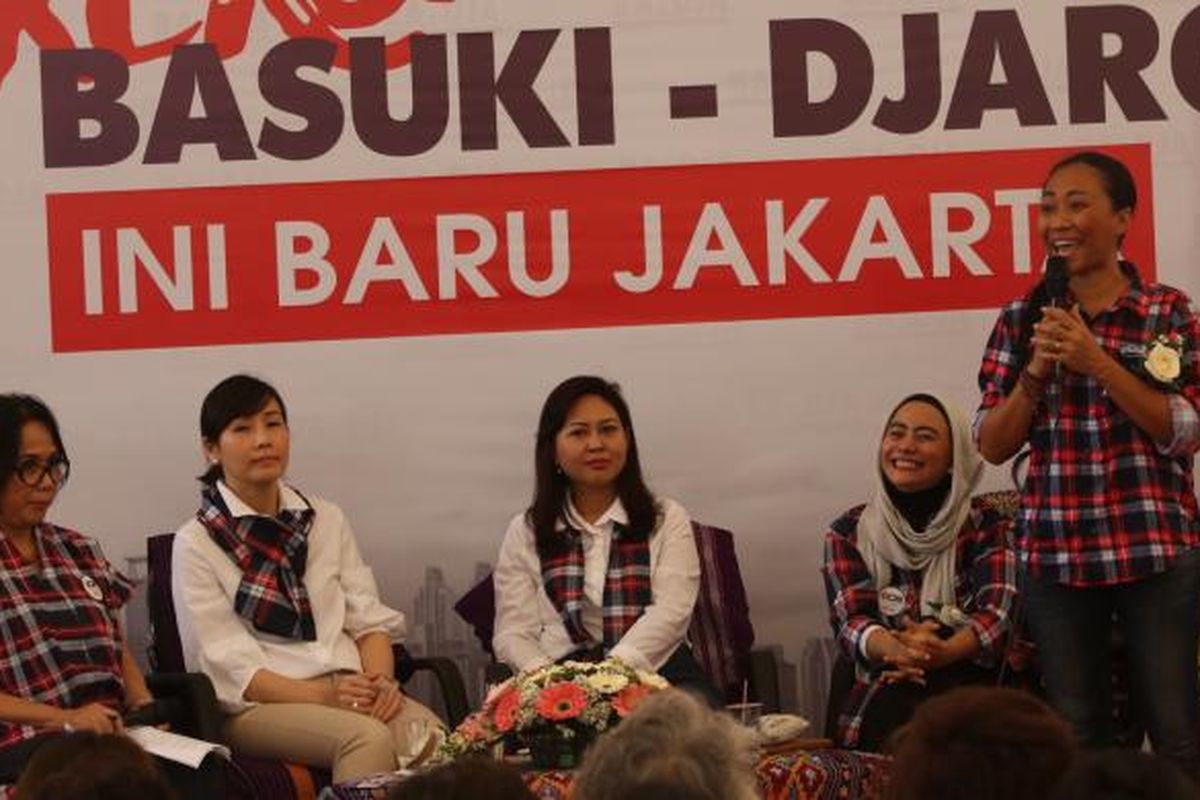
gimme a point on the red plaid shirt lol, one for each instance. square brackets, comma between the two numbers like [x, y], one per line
[60, 643]
[1102, 502]
[984, 588]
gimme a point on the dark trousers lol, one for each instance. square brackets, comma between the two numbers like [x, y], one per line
[1159, 618]
[13, 759]
[684, 672]
[894, 704]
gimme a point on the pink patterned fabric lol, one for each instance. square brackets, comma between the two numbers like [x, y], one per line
[804, 775]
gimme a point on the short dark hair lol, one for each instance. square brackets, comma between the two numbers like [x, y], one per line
[981, 742]
[236, 396]
[91, 766]
[551, 486]
[471, 778]
[1116, 177]
[16, 411]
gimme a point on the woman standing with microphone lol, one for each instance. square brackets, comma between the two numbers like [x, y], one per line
[1101, 383]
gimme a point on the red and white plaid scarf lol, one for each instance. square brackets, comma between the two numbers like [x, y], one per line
[272, 553]
[626, 584]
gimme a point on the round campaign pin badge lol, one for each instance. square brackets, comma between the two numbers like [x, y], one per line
[92, 588]
[891, 601]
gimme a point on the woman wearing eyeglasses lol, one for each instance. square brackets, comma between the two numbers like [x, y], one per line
[63, 663]
[277, 607]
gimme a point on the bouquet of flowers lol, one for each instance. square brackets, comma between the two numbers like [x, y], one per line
[556, 711]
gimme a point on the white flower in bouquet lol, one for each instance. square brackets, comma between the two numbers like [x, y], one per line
[606, 682]
[573, 701]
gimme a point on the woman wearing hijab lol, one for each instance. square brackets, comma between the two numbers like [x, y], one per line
[276, 605]
[919, 580]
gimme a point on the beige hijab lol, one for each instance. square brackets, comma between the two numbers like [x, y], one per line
[886, 539]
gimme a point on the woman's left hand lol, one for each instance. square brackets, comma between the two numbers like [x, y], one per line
[388, 698]
[354, 691]
[923, 636]
[1066, 339]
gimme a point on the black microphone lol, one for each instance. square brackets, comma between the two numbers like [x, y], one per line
[1056, 292]
[1056, 280]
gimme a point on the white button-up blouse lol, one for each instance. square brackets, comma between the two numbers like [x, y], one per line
[529, 631]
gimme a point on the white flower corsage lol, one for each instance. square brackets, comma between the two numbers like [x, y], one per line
[1164, 358]
[950, 615]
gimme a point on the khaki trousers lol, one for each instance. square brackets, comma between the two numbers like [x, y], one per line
[349, 743]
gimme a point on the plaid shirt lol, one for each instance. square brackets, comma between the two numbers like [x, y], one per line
[60, 643]
[1102, 503]
[984, 588]
[627, 589]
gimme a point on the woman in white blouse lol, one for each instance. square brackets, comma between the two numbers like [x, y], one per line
[276, 605]
[597, 566]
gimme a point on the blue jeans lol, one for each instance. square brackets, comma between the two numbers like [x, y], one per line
[1159, 618]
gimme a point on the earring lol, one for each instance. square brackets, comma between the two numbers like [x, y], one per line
[558, 470]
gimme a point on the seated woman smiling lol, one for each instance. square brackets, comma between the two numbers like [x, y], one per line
[920, 580]
[597, 566]
[276, 605]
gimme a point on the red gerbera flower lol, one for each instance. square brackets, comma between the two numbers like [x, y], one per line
[561, 701]
[630, 698]
[504, 712]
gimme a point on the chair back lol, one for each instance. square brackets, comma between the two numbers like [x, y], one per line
[721, 633]
[478, 609]
[166, 652]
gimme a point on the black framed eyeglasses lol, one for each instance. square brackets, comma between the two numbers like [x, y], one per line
[32, 471]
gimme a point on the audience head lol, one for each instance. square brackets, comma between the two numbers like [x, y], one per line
[672, 739]
[474, 778]
[92, 766]
[237, 414]
[984, 743]
[33, 461]
[585, 441]
[1123, 774]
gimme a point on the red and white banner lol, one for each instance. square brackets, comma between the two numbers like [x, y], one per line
[240, 264]
[767, 220]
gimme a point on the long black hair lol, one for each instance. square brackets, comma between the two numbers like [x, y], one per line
[236, 396]
[16, 410]
[1121, 190]
[551, 485]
